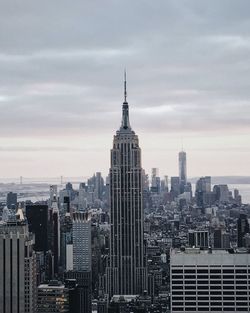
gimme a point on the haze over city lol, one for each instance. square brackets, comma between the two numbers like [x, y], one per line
[62, 64]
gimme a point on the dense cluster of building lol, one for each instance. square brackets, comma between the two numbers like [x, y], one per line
[130, 243]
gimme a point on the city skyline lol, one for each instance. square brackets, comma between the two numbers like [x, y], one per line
[61, 85]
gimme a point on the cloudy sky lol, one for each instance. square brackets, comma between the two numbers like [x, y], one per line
[61, 84]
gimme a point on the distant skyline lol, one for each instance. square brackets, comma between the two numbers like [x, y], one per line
[61, 85]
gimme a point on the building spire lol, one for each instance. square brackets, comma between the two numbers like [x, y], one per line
[125, 86]
[125, 109]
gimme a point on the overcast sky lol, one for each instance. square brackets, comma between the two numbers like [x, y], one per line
[61, 84]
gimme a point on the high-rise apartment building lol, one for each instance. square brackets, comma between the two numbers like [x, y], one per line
[17, 266]
[127, 270]
[209, 281]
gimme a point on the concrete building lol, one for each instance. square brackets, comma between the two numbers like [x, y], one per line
[209, 281]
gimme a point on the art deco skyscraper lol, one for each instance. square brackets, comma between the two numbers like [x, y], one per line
[127, 272]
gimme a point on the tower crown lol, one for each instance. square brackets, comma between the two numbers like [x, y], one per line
[125, 108]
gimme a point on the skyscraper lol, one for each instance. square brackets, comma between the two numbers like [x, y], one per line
[37, 216]
[242, 228]
[17, 266]
[127, 271]
[81, 259]
[82, 241]
[11, 200]
[182, 170]
[55, 233]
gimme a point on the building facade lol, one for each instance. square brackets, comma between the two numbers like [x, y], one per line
[209, 281]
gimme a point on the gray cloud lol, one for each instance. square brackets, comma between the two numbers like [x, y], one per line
[61, 65]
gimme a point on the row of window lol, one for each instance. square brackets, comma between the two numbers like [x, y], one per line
[211, 292]
[237, 287]
[241, 270]
[175, 303]
[225, 276]
[212, 282]
[228, 309]
[212, 298]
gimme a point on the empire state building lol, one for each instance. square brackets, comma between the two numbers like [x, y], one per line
[126, 273]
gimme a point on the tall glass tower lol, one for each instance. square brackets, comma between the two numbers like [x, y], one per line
[126, 274]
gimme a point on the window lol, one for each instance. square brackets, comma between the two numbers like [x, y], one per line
[215, 271]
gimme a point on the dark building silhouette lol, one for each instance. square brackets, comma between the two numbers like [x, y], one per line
[82, 293]
[11, 200]
[242, 228]
[217, 238]
[37, 216]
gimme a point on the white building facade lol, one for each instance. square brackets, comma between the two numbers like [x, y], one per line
[209, 281]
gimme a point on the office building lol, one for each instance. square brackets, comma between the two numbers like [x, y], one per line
[17, 266]
[38, 221]
[182, 170]
[52, 297]
[209, 281]
[83, 197]
[155, 181]
[66, 242]
[79, 260]
[11, 200]
[52, 193]
[203, 194]
[198, 238]
[127, 271]
[221, 193]
[175, 186]
[54, 221]
[242, 229]
[81, 241]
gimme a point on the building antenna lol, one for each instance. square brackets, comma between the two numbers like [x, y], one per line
[125, 86]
